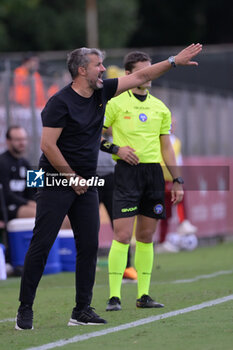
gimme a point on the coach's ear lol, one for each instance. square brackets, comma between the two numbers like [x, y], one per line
[82, 71]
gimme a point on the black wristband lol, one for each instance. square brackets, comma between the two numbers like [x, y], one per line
[108, 147]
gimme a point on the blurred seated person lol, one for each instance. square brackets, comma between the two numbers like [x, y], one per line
[19, 199]
[23, 85]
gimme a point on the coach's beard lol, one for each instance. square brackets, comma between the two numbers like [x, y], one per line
[96, 85]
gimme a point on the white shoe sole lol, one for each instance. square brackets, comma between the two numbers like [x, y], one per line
[114, 309]
[73, 322]
[23, 329]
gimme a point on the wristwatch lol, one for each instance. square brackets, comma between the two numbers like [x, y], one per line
[179, 180]
[171, 60]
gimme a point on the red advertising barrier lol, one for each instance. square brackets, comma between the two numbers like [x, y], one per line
[209, 198]
[208, 208]
[208, 195]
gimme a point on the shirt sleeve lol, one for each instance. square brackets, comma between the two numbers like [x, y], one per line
[110, 88]
[54, 114]
[110, 114]
[166, 122]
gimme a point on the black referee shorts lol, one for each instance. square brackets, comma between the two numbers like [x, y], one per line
[138, 189]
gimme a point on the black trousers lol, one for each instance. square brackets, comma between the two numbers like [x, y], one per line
[83, 212]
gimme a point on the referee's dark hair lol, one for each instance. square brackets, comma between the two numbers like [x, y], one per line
[134, 57]
[8, 132]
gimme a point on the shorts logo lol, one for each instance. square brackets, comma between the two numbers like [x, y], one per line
[158, 209]
[143, 117]
[35, 178]
[127, 210]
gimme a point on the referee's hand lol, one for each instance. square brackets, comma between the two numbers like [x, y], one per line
[177, 193]
[128, 155]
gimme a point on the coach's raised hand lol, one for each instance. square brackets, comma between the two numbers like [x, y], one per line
[183, 58]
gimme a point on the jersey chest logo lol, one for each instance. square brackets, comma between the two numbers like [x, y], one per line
[142, 117]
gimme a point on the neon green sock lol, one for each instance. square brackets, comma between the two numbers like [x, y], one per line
[144, 257]
[117, 260]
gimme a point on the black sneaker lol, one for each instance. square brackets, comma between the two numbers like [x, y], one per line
[114, 304]
[24, 318]
[85, 317]
[147, 302]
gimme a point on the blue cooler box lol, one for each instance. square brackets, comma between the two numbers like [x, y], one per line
[67, 250]
[19, 236]
[3, 274]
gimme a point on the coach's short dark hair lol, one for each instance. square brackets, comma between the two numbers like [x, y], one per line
[134, 57]
[12, 127]
[80, 58]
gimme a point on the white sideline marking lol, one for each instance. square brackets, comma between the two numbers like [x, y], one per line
[190, 280]
[140, 322]
[197, 278]
[7, 320]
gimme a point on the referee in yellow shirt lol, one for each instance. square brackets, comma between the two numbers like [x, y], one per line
[141, 127]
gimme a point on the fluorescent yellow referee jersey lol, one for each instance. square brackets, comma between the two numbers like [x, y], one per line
[138, 124]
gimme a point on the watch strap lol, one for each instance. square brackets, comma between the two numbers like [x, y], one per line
[179, 180]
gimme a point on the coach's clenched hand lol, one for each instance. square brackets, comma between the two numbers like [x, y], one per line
[79, 185]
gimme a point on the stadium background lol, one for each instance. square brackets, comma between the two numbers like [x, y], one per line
[201, 99]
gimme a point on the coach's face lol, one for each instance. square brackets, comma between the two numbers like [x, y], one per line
[94, 72]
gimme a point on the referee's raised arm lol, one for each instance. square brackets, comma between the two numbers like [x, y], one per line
[183, 58]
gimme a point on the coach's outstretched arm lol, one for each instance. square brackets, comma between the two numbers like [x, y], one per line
[183, 58]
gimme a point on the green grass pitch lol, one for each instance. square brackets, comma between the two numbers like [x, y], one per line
[207, 329]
